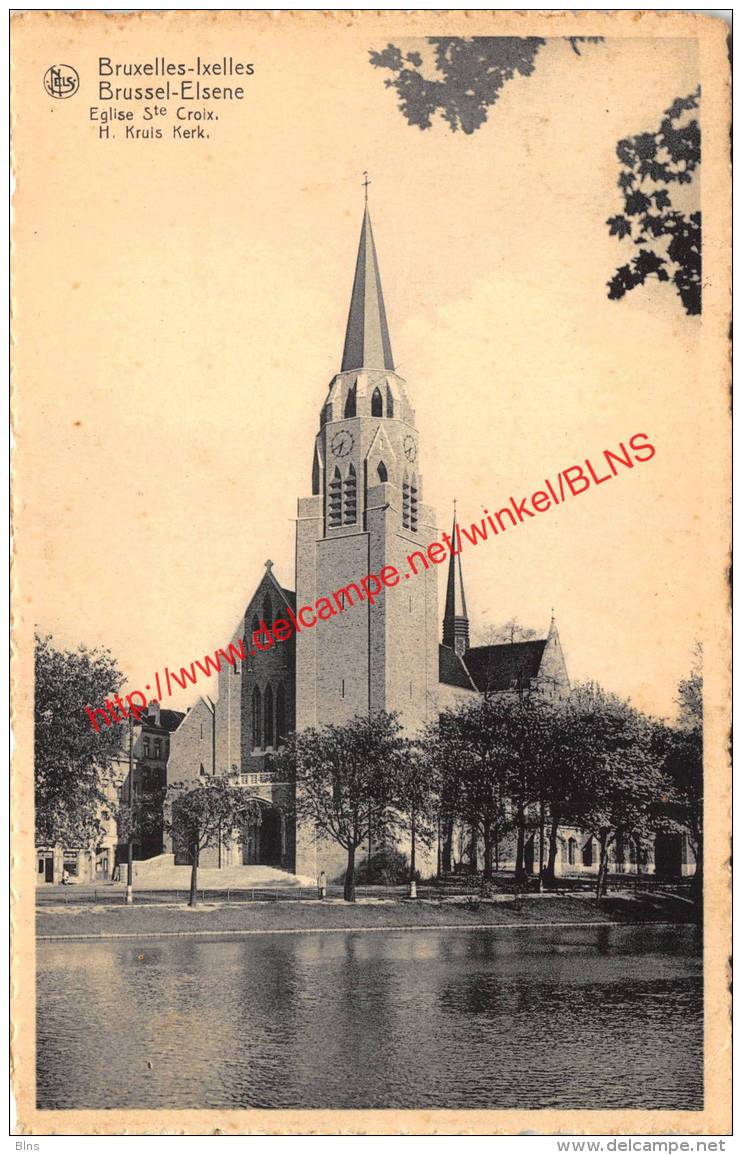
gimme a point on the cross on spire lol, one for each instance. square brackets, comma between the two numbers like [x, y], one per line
[366, 182]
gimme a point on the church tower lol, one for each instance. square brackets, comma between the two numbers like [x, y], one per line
[366, 511]
[455, 618]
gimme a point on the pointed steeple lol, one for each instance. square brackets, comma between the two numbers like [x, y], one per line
[455, 618]
[367, 344]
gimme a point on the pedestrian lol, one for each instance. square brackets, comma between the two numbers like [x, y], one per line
[322, 884]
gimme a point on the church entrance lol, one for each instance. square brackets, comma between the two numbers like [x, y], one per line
[263, 841]
[668, 855]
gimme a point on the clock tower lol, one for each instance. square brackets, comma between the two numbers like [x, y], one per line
[366, 512]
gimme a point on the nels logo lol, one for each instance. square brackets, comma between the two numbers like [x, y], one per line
[61, 81]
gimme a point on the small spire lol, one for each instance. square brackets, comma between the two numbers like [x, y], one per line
[269, 565]
[367, 344]
[455, 618]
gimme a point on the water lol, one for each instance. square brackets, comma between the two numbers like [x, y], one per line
[593, 1017]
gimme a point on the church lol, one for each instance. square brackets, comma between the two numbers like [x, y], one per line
[366, 510]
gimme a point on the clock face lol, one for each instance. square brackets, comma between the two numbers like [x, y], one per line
[342, 443]
[410, 449]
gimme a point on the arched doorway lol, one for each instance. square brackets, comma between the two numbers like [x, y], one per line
[668, 855]
[263, 839]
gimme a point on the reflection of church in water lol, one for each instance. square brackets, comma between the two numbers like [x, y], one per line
[366, 510]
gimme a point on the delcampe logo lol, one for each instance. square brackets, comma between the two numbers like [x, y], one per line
[61, 81]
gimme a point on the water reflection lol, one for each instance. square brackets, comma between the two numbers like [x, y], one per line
[597, 1017]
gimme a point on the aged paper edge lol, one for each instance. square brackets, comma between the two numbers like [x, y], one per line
[715, 1118]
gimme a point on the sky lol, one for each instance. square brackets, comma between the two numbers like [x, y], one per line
[180, 311]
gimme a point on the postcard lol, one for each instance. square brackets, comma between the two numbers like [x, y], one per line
[371, 500]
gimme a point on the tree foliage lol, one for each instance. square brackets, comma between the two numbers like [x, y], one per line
[470, 74]
[72, 763]
[668, 239]
[202, 816]
[348, 778]
[684, 764]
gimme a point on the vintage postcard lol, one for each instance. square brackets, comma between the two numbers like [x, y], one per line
[371, 611]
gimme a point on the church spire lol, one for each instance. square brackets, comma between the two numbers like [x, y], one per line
[367, 344]
[455, 619]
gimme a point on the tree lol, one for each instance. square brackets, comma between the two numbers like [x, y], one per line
[474, 748]
[348, 776]
[621, 780]
[199, 817]
[668, 238]
[468, 75]
[72, 762]
[684, 764]
[416, 797]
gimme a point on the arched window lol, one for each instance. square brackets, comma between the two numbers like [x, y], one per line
[267, 611]
[350, 402]
[381, 470]
[315, 474]
[280, 716]
[413, 502]
[406, 501]
[254, 627]
[572, 851]
[336, 499]
[587, 852]
[350, 504]
[268, 717]
[389, 402]
[377, 405]
[257, 720]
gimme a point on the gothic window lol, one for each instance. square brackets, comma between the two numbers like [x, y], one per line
[377, 405]
[572, 851]
[406, 501]
[413, 502]
[389, 402]
[336, 499]
[268, 716]
[587, 853]
[350, 403]
[254, 627]
[350, 511]
[257, 731]
[381, 470]
[280, 716]
[267, 611]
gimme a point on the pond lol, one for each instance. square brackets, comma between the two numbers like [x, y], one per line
[596, 1017]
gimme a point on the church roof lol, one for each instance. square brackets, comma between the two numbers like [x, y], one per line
[367, 344]
[506, 666]
[451, 669]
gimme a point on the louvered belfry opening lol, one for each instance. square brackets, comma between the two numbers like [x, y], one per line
[335, 512]
[350, 502]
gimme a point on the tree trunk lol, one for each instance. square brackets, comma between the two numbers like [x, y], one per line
[349, 889]
[473, 856]
[129, 863]
[520, 866]
[553, 848]
[696, 886]
[497, 847]
[487, 850]
[447, 852]
[603, 866]
[541, 829]
[193, 899]
[638, 849]
[412, 847]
